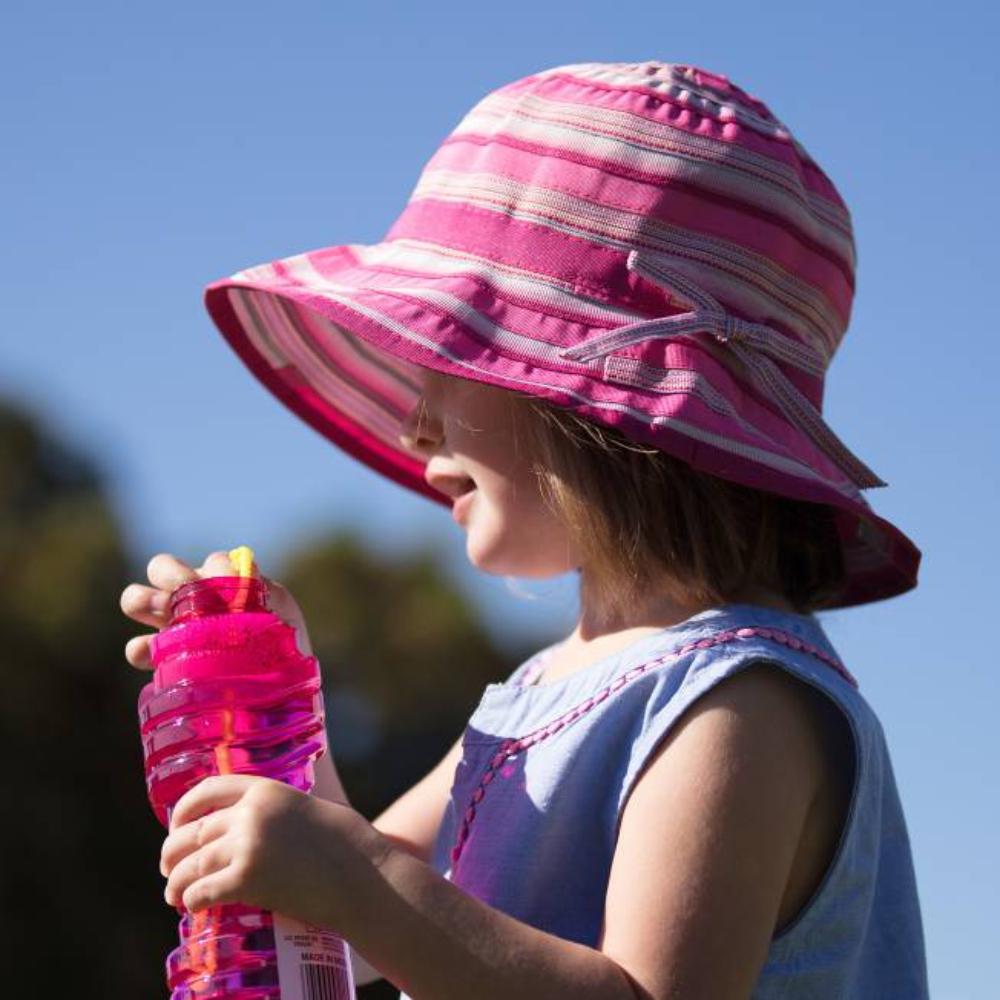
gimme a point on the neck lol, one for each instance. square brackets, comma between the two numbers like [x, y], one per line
[655, 612]
[598, 634]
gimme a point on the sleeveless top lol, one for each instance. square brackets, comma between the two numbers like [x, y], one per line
[546, 770]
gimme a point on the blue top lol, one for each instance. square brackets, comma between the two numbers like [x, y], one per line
[532, 822]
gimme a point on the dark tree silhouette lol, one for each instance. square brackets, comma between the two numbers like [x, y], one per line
[404, 658]
[404, 661]
[83, 912]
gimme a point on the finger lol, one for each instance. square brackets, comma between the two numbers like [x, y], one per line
[191, 837]
[137, 652]
[281, 601]
[216, 564]
[167, 572]
[220, 887]
[203, 862]
[214, 792]
[285, 606]
[145, 604]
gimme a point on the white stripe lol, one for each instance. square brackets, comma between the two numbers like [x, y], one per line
[260, 338]
[292, 350]
[537, 350]
[795, 303]
[659, 136]
[656, 135]
[665, 77]
[664, 151]
[767, 458]
[441, 261]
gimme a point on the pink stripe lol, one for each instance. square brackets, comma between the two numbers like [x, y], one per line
[624, 170]
[720, 85]
[654, 105]
[595, 270]
[462, 341]
[893, 566]
[675, 204]
[527, 316]
[290, 387]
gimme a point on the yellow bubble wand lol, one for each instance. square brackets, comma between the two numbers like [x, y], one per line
[242, 561]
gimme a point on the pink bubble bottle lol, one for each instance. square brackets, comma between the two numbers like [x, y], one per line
[232, 693]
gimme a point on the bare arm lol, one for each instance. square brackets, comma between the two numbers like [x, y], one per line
[410, 823]
[436, 942]
[704, 853]
[708, 837]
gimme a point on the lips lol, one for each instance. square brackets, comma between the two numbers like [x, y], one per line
[452, 485]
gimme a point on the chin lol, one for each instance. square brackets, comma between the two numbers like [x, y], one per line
[531, 565]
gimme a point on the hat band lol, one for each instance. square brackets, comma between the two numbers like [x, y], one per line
[753, 343]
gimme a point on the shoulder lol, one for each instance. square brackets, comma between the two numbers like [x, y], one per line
[709, 833]
[762, 723]
[767, 706]
[771, 720]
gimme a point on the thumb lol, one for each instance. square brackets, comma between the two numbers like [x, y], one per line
[217, 564]
[287, 609]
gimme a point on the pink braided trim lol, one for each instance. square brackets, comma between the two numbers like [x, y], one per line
[528, 678]
[511, 747]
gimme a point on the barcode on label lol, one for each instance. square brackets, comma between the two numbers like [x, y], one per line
[313, 963]
[325, 982]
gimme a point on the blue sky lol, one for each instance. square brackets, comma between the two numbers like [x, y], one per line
[150, 149]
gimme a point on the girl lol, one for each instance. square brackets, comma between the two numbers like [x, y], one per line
[599, 332]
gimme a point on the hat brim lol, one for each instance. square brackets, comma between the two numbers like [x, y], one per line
[341, 342]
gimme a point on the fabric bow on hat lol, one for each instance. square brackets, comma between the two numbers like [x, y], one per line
[753, 343]
[514, 264]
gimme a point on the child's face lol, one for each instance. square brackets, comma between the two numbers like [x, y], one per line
[466, 432]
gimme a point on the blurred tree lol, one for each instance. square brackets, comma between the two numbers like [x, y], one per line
[405, 660]
[82, 897]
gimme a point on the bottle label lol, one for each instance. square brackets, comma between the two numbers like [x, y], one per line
[313, 963]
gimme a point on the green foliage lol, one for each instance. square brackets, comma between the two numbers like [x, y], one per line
[83, 904]
[399, 636]
[398, 631]
[82, 897]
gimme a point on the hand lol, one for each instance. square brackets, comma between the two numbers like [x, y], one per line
[151, 605]
[260, 842]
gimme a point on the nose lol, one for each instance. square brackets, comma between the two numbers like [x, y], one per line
[419, 431]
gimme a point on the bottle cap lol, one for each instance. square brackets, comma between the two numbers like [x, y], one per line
[220, 595]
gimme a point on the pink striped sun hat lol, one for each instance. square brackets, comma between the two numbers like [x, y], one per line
[642, 243]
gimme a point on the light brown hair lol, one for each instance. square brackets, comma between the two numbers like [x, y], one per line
[640, 517]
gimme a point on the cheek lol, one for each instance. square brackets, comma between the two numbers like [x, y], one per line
[513, 498]
[511, 531]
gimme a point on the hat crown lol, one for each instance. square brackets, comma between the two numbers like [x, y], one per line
[644, 244]
[570, 169]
